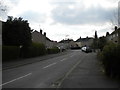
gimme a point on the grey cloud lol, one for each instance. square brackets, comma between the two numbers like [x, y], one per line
[92, 15]
[34, 16]
[62, 2]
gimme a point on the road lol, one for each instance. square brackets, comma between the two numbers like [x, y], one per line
[49, 73]
[40, 74]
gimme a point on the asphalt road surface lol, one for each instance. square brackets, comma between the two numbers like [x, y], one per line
[49, 73]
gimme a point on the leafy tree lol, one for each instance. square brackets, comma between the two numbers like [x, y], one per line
[101, 42]
[95, 41]
[16, 32]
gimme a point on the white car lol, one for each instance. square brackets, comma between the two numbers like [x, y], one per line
[86, 49]
[83, 49]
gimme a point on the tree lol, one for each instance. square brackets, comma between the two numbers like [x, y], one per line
[95, 41]
[96, 37]
[16, 32]
[102, 42]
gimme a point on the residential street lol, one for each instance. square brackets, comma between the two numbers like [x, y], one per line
[74, 69]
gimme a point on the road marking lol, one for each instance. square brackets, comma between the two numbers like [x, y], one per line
[72, 56]
[66, 75]
[49, 65]
[16, 79]
[63, 59]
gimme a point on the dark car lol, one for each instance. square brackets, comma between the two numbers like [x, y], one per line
[88, 49]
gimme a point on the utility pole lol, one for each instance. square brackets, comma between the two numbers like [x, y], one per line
[118, 30]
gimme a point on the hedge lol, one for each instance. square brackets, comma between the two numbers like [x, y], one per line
[110, 57]
[36, 49]
[53, 50]
[10, 53]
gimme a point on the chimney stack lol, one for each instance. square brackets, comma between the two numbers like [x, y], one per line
[45, 34]
[40, 31]
[115, 28]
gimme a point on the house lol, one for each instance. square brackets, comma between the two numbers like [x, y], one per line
[84, 41]
[38, 37]
[50, 43]
[113, 37]
[66, 44]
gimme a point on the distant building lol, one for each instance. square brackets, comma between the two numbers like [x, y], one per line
[84, 41]
[69, 43]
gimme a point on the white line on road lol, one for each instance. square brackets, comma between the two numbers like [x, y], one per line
[66, 75]
[49, 65]
[72, 56]
[16, 79]
[63, 59]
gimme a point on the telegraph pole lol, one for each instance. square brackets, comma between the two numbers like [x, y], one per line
[118, 30]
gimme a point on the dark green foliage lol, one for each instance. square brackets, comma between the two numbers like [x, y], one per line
[99, 43]
[10, 53]
[95, 41]
[110, 57]
[53, 50]
[102, 42]
[36, 49]
[16, 32]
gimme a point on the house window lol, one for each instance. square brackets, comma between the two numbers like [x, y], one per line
[116, 41]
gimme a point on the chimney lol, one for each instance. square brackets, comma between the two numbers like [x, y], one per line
[40, 31]
[115, 28]
[45, 34]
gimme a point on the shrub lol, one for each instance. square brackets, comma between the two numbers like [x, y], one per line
[10, 53]
[36, 49]
[110, 57]
[53, 50]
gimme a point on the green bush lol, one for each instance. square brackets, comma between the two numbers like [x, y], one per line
[110, 57]
[53, 50]
[36, 49]
[10, 53]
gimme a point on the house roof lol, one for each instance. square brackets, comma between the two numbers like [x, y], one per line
[83, 39]
[43, 35]
[116, 31]
[66, 41]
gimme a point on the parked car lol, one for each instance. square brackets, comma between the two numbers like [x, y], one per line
[83, 49]
[86, 49]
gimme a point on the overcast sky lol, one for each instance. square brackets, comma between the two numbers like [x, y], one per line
[62, 19]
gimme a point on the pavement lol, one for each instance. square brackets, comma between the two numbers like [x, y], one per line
[89, 74]
[73, 69]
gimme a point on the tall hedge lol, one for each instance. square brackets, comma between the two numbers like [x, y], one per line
[36, 49]
[111, 59]
[10, 53]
